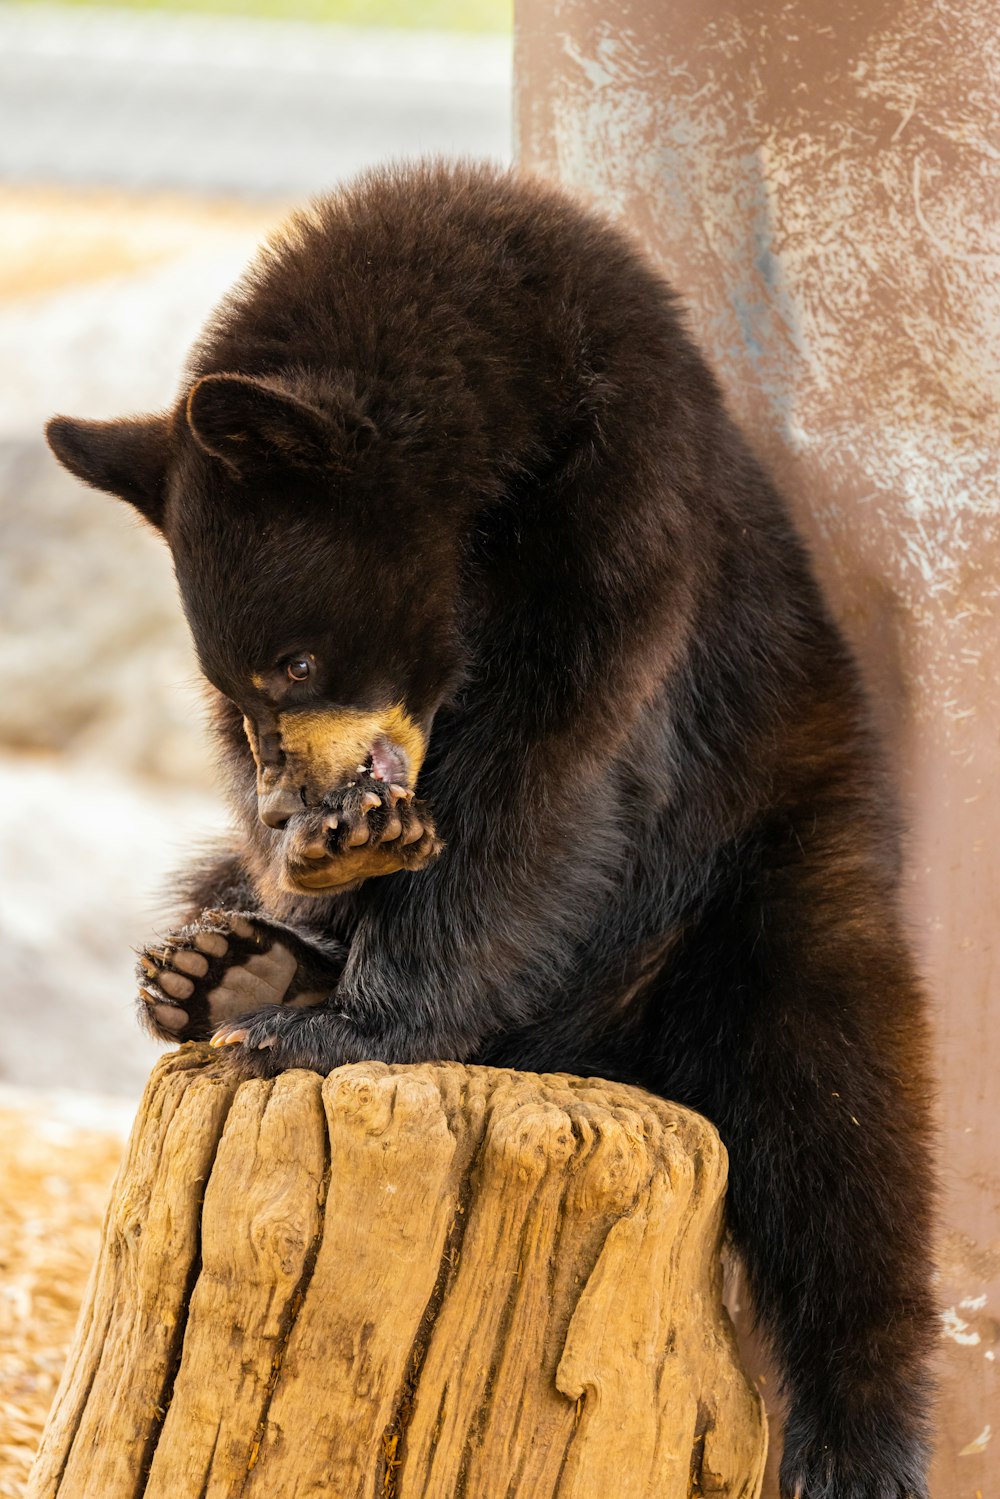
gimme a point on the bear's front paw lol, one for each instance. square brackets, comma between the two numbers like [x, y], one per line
[276, 1039]
[222, 965]
[370, 828]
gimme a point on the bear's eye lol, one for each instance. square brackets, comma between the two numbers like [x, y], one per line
[299, 668]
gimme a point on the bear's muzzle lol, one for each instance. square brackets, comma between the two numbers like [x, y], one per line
[314, 754]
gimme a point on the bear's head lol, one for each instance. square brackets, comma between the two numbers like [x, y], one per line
[318, 564]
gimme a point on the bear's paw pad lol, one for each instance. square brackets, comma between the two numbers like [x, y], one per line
[223, 965]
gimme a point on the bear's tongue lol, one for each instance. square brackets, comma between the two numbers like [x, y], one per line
[387, 762]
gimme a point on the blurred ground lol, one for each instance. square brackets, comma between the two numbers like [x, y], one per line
[142, 158]
[59, 1157]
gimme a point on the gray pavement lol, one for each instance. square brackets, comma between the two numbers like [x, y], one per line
[254, 108]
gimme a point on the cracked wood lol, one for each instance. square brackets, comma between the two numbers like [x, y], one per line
[430, 1282]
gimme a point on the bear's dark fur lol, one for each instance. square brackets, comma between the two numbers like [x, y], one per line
[448, 476]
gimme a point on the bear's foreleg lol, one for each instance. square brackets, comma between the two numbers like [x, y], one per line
[440, 964]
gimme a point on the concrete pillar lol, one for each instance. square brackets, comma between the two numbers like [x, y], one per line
[822, 184]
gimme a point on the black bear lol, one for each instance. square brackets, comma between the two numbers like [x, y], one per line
[543, 748]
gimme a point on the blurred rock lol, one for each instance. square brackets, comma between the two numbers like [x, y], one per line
[86, 858]
[94, 653]
[100, 299]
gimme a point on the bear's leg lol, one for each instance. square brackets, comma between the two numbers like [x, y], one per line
[818, 1086]
[831, 1221]
[229, 963]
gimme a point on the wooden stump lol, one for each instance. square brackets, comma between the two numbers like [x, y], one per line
[433, 1282]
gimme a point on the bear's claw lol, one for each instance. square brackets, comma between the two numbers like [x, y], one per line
[281, 1037]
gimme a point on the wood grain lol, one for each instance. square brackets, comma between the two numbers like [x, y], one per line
[431, 1282]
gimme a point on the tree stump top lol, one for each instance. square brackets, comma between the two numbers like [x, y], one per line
[424, 1281]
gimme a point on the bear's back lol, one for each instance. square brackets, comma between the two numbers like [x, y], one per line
[458, 276]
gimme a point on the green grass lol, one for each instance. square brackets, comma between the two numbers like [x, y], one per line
[423, 15]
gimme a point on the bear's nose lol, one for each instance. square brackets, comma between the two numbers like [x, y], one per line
[277, 806]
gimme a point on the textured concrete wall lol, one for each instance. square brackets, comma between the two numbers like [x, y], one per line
[823, 186]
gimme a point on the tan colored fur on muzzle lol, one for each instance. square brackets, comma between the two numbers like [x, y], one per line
[322, 749]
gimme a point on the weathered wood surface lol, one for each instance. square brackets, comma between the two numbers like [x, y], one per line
[423, 1282]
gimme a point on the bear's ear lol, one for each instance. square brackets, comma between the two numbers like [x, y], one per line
[127, 458]
[248, 423]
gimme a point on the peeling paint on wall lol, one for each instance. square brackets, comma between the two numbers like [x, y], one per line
[957, 1330]
[978, 1445]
